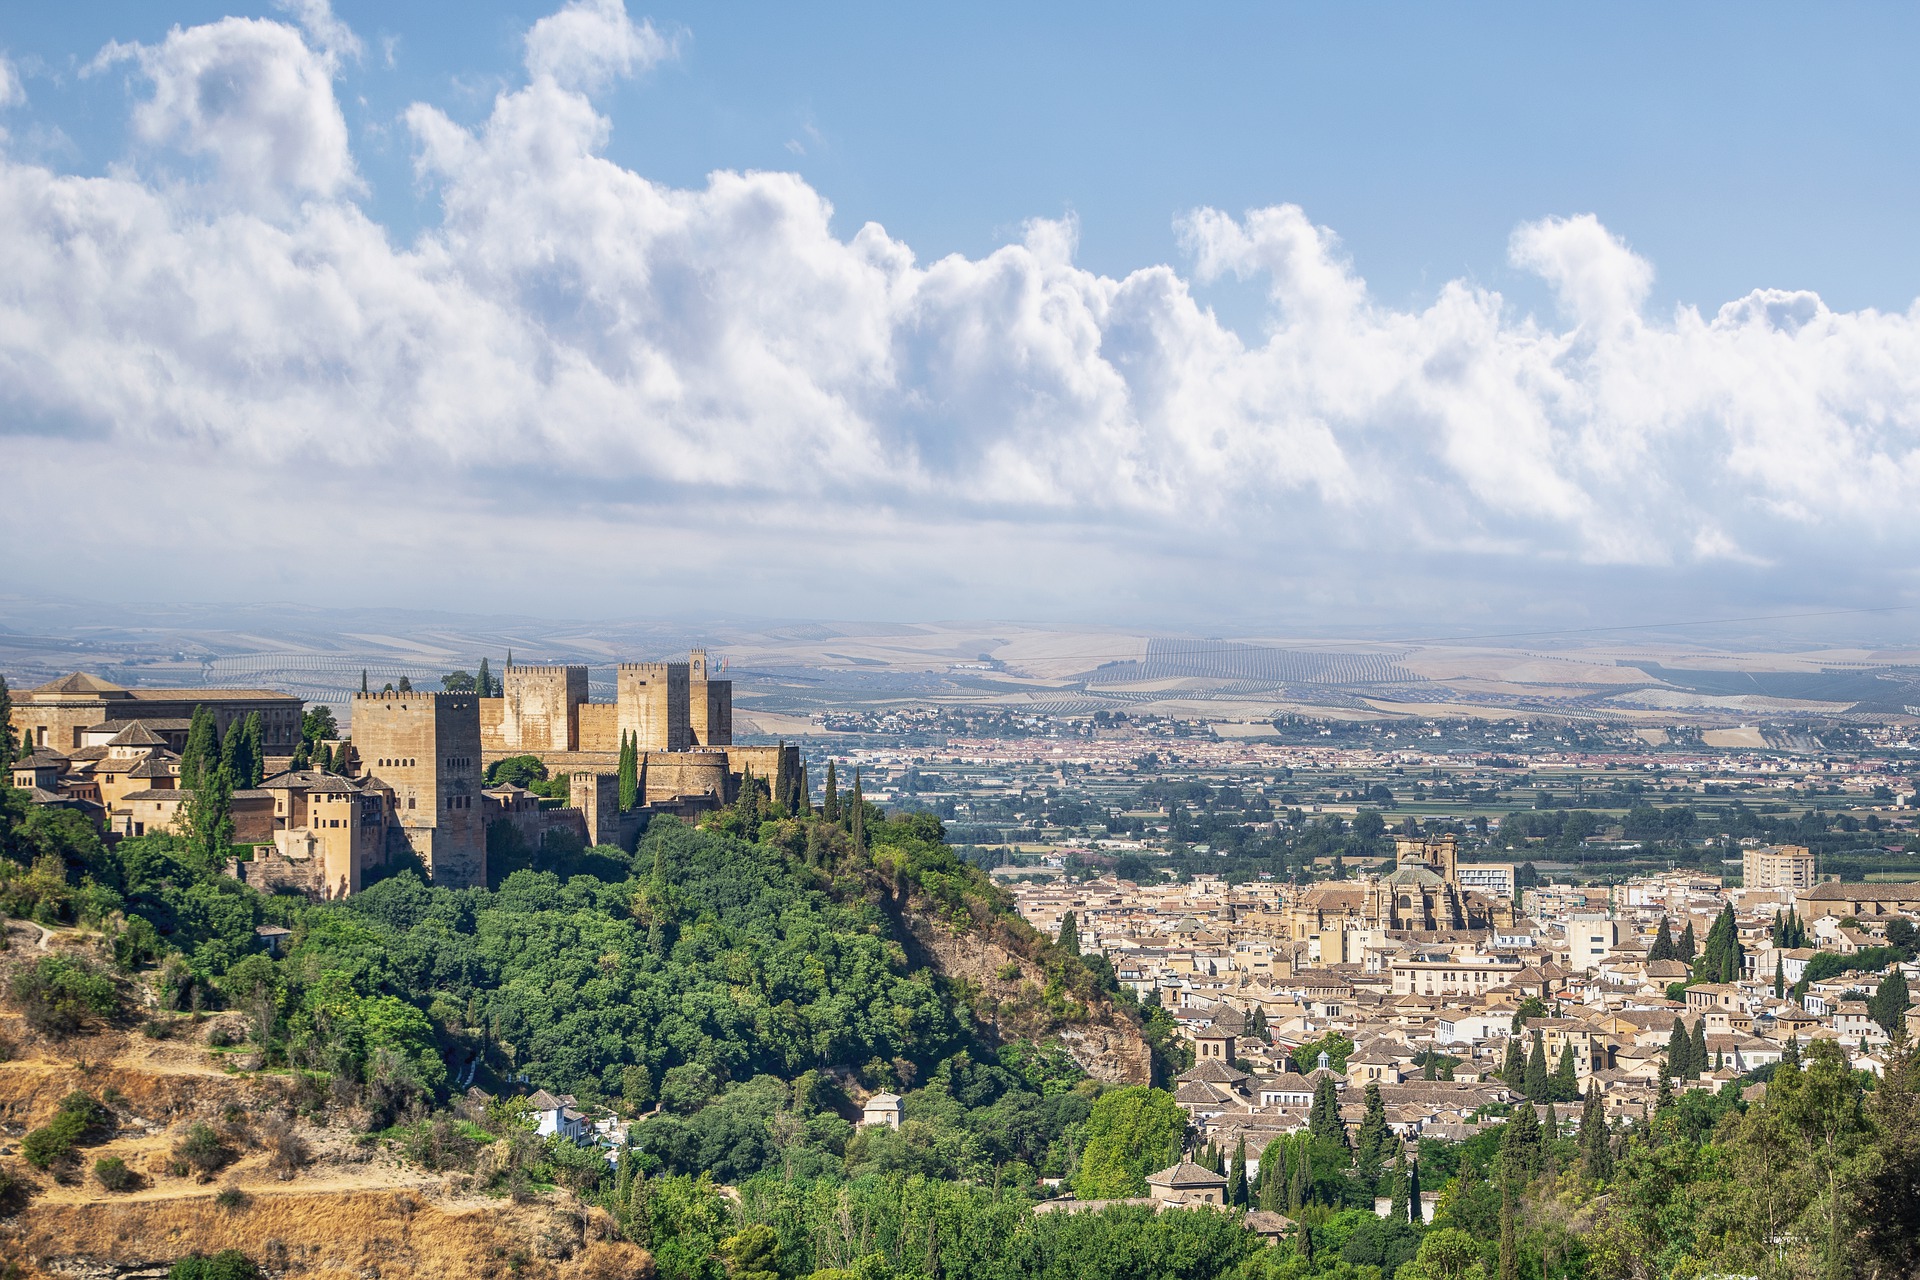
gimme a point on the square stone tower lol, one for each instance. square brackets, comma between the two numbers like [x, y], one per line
[426, 747]
[653, 699]
[709, 705]
[541, 708]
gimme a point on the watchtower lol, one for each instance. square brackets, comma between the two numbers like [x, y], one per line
[426, 747]
[709, 704]
[541, 708]
[653, 698]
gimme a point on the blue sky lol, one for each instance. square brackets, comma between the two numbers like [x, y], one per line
[1735, 145]
[1456, 362]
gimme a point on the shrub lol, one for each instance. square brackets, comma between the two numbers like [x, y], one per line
[228, 1264]
[112, 1173]
[56, 993]
[287, 1152]
[78, 1118]
[230, 1198]
[203, 1150]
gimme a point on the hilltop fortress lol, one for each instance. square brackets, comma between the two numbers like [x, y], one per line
[412, 777]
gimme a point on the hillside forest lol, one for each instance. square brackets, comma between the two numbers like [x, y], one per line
[734, 989]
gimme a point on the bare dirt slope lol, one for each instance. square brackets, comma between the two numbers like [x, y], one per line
[351, 1210]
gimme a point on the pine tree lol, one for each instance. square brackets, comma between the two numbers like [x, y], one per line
[1538, 1088]
[1596, 1153]
[858, 828]
[1370, 1145]
[483, 682]
[1697, 1055]
[1414, 1208]
[1779, 976]
[1679, 1050]
[1515, 1070]
[1069, 938]
[1237, 1177]
[1397, 1206]
[830, 806]
[1566, 1083]
[1662, 948]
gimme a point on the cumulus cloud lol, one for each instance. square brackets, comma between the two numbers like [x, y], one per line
[251, 97]
[608, 373]
[591, 42]
[324, 27]
[11, 92]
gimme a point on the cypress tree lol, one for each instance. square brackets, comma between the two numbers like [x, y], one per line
[629, 773]
[746, 805]
[1685, 951]
[201, 751]
[1237, 1176]
[1566, 1083]
[1397, 1208]
[858, 829]
[1596, 1154]
[1520, 1143]
[830, 807]
[1509, 1245]
[406, 685]
[803, 792]
[1538, 1088]
[1664, 1098]
[1414, 1209]
[1888, 1005]
[1515, 1070]
[1069, 938]
[1257, 1025]
[1697, 1057]
[1302, 1186]
[1662, 948]
[483, 682]
[7, 755]
[363, 679]
[1273, 1176]
[256, 750]
[1779, 976]
[233, 752]
[1370, 1146]
[1679, 1050]
[1790, 1056]
[1323, 1119]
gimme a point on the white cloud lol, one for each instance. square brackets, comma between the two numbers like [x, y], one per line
[251, 97]
[606, 379]
[327, 31]
[11, 92]
[591, 42]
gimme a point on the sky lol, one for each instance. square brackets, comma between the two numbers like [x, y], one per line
[1414, 317]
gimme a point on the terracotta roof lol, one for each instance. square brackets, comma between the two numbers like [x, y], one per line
[1186, 1174]
[78, 682]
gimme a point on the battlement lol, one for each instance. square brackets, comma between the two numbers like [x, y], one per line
[520, 670]
[651, 668]
[452, 701]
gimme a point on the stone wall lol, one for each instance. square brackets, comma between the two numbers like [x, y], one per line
[652, 698]
[599, 727]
